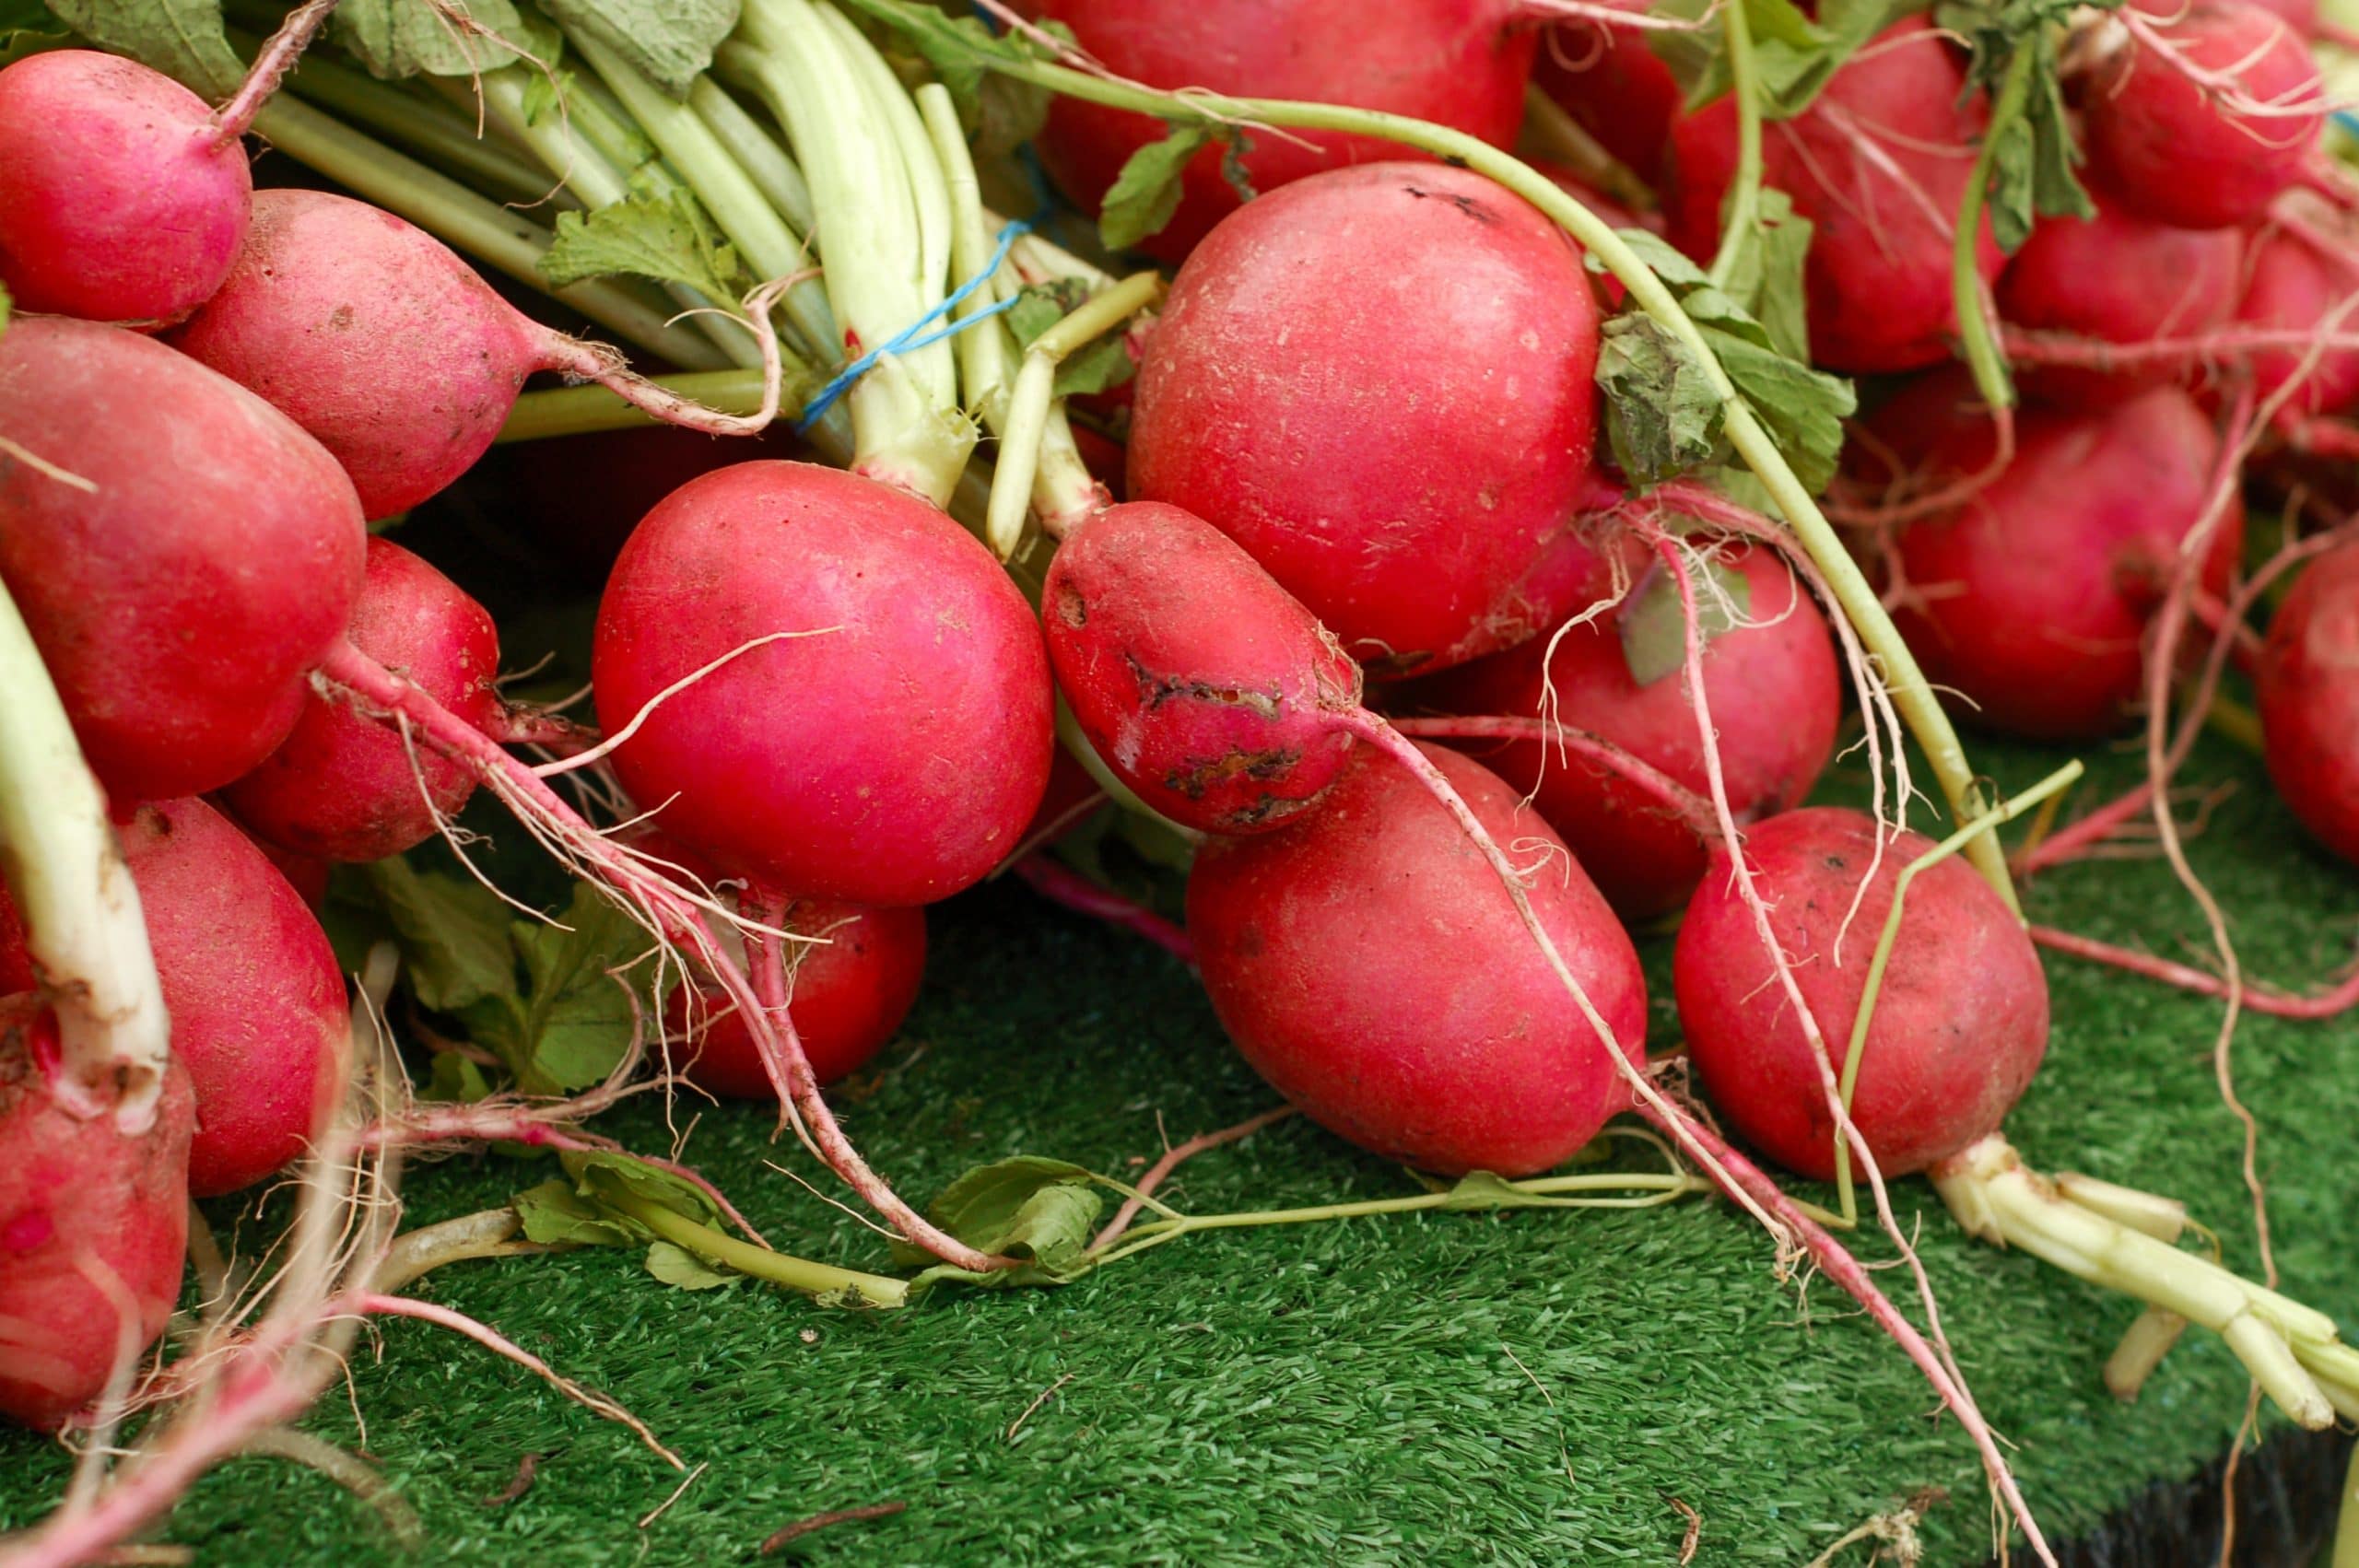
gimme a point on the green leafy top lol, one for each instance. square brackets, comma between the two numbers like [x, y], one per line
[579, 1210]
[663, 235]
[668, 41]
[1097, 366]
[2013, 59]
[954, 47]
[1793, 53]
[439, 37]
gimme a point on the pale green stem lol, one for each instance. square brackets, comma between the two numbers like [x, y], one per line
[1980, 827]
[1027, 412]
[1744, 189]
[1559, 137]
[63, 868]
[756, 151]
[2144, 1345]
[1982, 356]
[580, 411]
[983, 351]
[760, 1262]
[425, 126]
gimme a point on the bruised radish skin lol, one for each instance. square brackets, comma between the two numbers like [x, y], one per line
[2308, 689]
[2173, 148]
[343, 787]
[847, 997]
[1775, 694]
[178, 605]
[121, 197]
[2030, 598]
[1226, 722]
[1454, 62]
[1878, 277]
[76, 1197]
[1365, 960]
[1409, 509]
[1961, 1018]
[891, 752]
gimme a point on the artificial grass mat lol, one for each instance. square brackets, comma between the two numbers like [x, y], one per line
[1521, 1388]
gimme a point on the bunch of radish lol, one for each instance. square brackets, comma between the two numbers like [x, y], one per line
[1443, 624]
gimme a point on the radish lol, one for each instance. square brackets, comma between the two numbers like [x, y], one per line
[1614, 87]
[257, 1003]
[2118, 278]
[2290, 285]
[343, 788]
[2309, 700]
[887, 740]
[1879, 163]
[848, 996]
[1776, 696]
[123, 197]
[1411, 509]
[1961, 1016]
[182, 553]
[2201, 120]
[1455, 63]
[80, 1200]
[2030, 597]
[375, 337]
[1368, 963]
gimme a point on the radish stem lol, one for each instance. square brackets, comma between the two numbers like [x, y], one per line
[1744, 187]
[1027, 412]
[778, 1268]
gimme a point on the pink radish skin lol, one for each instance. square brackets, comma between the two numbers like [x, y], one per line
[178, 605]
[343, 787]
[1341, 952]
[1413, 511]
[257, 1003]
[2031, 599]
[375, 337]
[2171, 149]
[2309, 701]
[1960, 1023]
[1775, 694]
[77, 1196]
[849, 998]
[1455, 63]
[2118, 278]
[1228, 721]
[889, 755]
[1878, 278]
[122, 197]
[2290, 287]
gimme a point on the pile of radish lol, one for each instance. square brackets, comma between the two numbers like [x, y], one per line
[1491, 588]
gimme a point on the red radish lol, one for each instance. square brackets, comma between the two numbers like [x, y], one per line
[80, 1203]
[375, 337]
[123, 198]
[2203, 118]
[1456, 63]
[1411, 509]
[345, 788]
[1885, 449]
[1614, 87]
[2031, 597]
[258, 1009]
[181, 552]
[847, 998]
[2309, 700]
[307, 876]
[1879, 164]
[1365, 960]
[2292, 287]
[889, 742]
[2118, 278]
[1961, 1016]
[1776, 696]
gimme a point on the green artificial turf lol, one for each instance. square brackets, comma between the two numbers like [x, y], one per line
[1526, 1387]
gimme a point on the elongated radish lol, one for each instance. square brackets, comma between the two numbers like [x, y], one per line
[182, 553]
[1412, 509]
[375, 337]
[2309, 701]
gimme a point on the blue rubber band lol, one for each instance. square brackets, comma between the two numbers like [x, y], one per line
[2348, 121]
[907, 337]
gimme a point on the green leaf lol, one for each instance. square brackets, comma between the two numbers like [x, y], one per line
[27, 27]
[1038, 1210]
[573, 1020]
[181, 37]
[1104, 364]
[679, 1265]
[546, 90]
[1039, 306]
[6, 305]
[453, 934]
[1145, 195]
[457, 1078]
[394, 39]
[665, 236]
[1663, 416]
[556, 1215]
[2033, 156]
[1654, 623]
[1766, 279]
[1793, 55]
[597, 1173]
[669, 41]
[1802, 409]
[1478, 1190]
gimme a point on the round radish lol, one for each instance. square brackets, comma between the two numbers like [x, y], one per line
[1455, 63]
[889, 750]
[2203, 125]
[1775, 694]
[181, 552]
[2030, 598]
[123, 197]
[1403, 450]
[1961, 1017]
[77, 1197]
[847, 999]
[1365, 960]
[346, 788]
[2291, 286]
[2309, 700]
